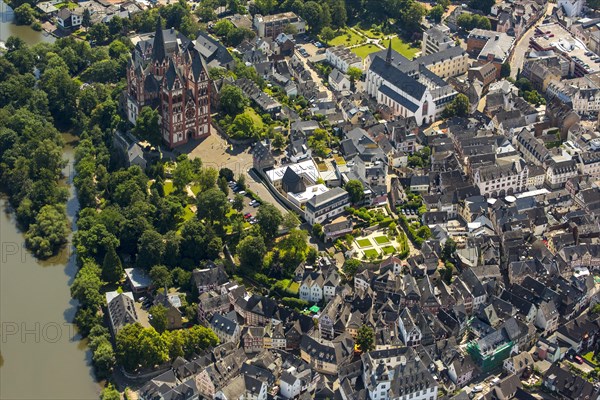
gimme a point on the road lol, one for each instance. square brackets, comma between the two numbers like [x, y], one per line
[315, 77]
[518, 56]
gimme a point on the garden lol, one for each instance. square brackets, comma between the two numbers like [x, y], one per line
[364, 50]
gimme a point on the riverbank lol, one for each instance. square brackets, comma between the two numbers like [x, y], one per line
[43, 356]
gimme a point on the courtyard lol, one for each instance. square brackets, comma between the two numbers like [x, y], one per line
[379, 244]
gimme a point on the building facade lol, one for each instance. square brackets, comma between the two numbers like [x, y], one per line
[167, 73]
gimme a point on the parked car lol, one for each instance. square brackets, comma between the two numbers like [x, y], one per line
[247, 215]
[579, 359]
[243, 192]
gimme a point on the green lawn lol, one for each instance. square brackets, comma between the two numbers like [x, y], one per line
[195, 189]
[294, 287]
[382, 240]
[371, 253]
[168, 187]
[364, 243]
[346, 37]
[364, 50]
[590, 357]
[388, 249]
[258, 122]
[404, 48]
[370, 33]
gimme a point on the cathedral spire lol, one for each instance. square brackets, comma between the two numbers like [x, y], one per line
[158, 47]
[388, 58]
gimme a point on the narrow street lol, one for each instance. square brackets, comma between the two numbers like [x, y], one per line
[518, 56]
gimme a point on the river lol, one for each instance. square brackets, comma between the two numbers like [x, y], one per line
[42, 355]
[7, 28]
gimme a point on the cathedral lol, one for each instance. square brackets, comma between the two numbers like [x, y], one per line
[166, 72]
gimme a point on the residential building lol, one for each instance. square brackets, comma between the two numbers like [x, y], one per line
[338, 80]
[68, 19]
[490, 47]
[166, 72]
[342, 58]
[572, 8]
[436, 39]
[273, 25]
[326, 356]
[226, 329]
[501, 179]
[326, 206]
[559, 171]
[518, 363]
[397, 373]
[121, 310]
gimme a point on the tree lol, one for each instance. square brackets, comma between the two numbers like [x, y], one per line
[278, 140]
[436, 13]
[151, 249]
[48, 232]
[86, 19]
[104, 359]
[269, 218]
[159, 317]
[99, 33]
[313, 13]
[227, 174]
[222, 184]
[110, 393]
[112, 269]
[183, 173]
[251, 251]
[86, 286]
[241, 181]
[317, 230]
[449, 249]
[461, 105]
[339, 16]
[365, 338]
[351, 267]
[505, 70]
[290, 220]
[327, 34]
[160, 276]
[24, 14]
[232, 100]
[223, 27]
[355, 74]
[483, 5]
[242, 127]
[146, 126]
[213, 205]
[238, 202]
[356, 190]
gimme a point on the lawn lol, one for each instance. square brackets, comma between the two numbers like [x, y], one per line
[382, 240]
[258, 122]
[346, 37]
[195, 188]
[294, 287]
[364, 243]
[371, 253]
[590, 357]
[388, 249]
[370, 33]
[168, 187]
[364, 50]
[404, 48]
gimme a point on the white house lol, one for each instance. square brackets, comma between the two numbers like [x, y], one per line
[342, 58]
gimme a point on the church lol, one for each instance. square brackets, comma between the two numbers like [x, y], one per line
[166, 72]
